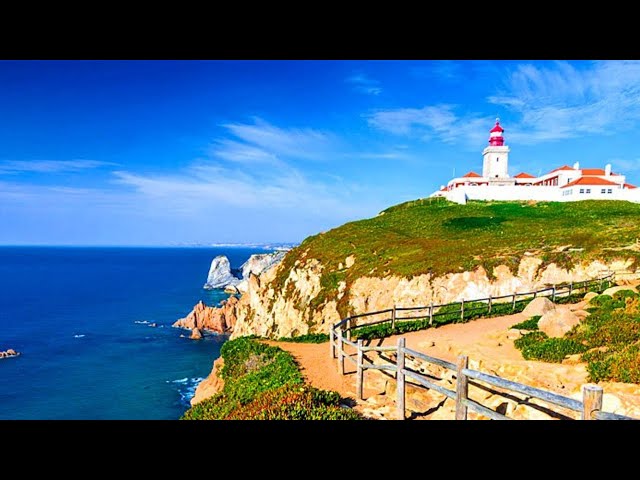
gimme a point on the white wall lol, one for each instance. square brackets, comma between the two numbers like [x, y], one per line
[548, 194]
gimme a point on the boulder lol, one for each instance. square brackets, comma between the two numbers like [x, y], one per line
[590, 296]
[610, 291]
[556, 323]
[220, 274]
[3, 354]
[12, 352]
[538, 306]
[196, 334]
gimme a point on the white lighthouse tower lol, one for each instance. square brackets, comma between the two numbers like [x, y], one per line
[496, 155]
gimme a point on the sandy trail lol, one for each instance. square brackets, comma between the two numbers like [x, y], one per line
[484, 340]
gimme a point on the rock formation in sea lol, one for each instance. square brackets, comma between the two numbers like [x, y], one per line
[256, 264]
[203, 317]
[220, 274]
[9, 353]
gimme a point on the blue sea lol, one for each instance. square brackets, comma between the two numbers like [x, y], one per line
[81, 319]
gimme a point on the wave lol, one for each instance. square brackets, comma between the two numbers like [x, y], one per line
[187, 388]
[79, 336]
[142, 322]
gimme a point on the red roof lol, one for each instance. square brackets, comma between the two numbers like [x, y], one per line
[524, 175]
[564, 167]
[589, 181]
[497, 127]
[595, 171]
[628, 185]
[471, 174]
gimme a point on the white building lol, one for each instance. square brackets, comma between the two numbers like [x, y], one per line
[562, 184]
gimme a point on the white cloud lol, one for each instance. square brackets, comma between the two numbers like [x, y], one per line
[563, 101]
[364, 84]
[436, 120]
[300, 143]
[49, 166]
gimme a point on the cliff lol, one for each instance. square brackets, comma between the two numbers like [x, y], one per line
[422, 252]
[220, 274]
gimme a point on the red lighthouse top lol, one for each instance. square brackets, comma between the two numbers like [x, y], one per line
[495, 134]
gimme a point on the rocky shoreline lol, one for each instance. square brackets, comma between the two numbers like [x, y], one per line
[9, 353]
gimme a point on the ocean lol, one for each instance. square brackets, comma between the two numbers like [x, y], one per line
[81, 319]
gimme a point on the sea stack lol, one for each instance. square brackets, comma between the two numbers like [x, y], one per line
[220, 274]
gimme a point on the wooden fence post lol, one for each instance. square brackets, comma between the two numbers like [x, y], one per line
[431, 313]
[570, 288]
[462, 309]
[553, 294]
[462, 387]
[591, 401]
[601, 282]
[513, 307]
[535, 293]
[489, 303]
[400, 379]
[360, 372]
[393, 318]
[340, 352]
[348, 332]
[332, 344]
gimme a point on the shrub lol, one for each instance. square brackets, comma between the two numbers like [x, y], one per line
[307, 338]
[294, 402]
[252, 372]
[537, 346]
[529, 324]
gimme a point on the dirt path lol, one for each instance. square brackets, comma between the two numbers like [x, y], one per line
[480, 338]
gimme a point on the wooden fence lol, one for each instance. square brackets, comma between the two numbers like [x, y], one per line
[590, 408]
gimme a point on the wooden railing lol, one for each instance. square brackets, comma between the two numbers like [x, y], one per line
[590, 408]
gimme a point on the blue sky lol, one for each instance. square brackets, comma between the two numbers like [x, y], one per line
[166, 152]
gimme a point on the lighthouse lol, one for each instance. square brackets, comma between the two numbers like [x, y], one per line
[495, 155]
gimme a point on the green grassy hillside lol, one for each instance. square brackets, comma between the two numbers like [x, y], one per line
[440, 237]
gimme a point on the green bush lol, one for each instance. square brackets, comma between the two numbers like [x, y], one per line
[294, 402]
[537, 346]
[529, 324]
[252, 372]
[307, 338]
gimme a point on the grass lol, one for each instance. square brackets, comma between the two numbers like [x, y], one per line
[529, 324]
[307, 338]
[264, 382]
[422, 237]
[609, 340]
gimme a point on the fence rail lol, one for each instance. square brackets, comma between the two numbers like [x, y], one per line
[590, 407]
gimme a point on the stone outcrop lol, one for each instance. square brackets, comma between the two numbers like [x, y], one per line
[196, 334]
[590, 295]
[538, 306]
[210, 385]
[556, 323]
[203, 317]
[9, 353]
[255, 265]
[220, 274]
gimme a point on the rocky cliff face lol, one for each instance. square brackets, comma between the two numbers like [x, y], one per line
[220, 274]
[203, 317]
[298, 307]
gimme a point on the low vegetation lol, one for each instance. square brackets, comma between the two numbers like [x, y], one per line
[609, 340]
[439, 237]
[264, 383]
[529, 324]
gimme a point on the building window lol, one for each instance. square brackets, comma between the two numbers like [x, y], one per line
[582, 190]
[497, 159]
[610, 191]
[604, 190]
[588, 190]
